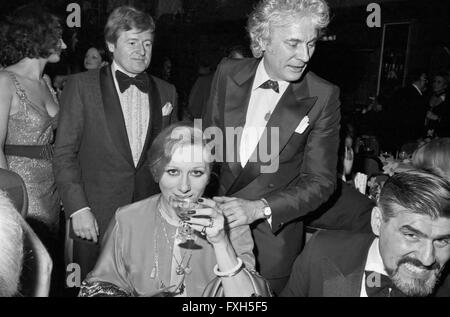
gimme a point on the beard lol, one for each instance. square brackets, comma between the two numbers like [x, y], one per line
[416, 287]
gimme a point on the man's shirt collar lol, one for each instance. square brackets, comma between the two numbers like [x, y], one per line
[261, 77]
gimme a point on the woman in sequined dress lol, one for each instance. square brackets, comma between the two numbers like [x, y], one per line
[150, 249]
[30, 39]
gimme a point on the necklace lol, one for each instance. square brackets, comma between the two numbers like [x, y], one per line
[180, 270]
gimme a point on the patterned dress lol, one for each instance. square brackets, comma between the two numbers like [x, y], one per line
[32, 125]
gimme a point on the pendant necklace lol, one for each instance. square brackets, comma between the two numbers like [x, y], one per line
[180, 270]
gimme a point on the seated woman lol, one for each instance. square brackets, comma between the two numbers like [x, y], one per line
[434, 157]
[149, 250]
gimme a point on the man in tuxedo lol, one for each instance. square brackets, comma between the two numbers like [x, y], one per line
[109, 118]
[298, 112]
[406, 256]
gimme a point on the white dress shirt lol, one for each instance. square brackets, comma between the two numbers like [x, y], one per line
[374, 263]
[261, 105]
[136, 112]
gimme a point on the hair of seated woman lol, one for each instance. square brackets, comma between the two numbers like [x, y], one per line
[434, 157]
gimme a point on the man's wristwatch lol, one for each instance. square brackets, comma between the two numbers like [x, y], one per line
[266, 209]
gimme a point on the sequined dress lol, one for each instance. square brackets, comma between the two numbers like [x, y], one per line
[32, 125]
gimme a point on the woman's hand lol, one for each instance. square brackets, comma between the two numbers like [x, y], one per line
[208, 220]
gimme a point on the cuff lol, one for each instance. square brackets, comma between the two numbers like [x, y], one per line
[80, 211]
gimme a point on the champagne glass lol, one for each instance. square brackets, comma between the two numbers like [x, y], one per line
[182, 206]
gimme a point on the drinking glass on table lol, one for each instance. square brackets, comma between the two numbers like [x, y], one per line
[403, 155]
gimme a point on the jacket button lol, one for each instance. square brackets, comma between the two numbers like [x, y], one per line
[281, 225]
[271, 185]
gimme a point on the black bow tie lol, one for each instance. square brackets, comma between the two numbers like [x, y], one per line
[380, 285]
[271, 84]
[125, 81]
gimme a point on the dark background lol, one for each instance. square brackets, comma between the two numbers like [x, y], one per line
[190, 31]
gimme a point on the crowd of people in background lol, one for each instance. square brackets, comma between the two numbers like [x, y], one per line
[101, 166]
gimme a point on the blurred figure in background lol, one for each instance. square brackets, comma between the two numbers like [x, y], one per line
[438, 115]
[95, 58]
[407, 110]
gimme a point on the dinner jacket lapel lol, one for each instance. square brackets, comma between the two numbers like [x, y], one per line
[344, 274]
[114, 114]
[238, 91]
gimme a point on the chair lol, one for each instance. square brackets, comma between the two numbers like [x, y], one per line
[37, 264]
[13, 185]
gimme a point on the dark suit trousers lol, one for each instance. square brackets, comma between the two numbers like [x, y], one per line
[85, 254]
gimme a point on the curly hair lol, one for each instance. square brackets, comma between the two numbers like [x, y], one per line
[280, 13]
[29, 32]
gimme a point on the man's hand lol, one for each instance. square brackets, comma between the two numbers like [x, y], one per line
[239, 212]
[85, 225]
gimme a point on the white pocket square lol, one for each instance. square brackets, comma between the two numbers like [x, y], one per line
[167, 109]
[303, 125]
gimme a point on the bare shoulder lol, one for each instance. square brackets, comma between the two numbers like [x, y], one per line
[5, 81]
[7, 91]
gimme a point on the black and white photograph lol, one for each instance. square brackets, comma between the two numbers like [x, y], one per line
[208, 149]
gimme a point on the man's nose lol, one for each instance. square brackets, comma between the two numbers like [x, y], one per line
[141, 49]
[426, 254]
[303, 53]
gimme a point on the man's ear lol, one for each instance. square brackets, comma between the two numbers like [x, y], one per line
[376, 220]
[110, 46]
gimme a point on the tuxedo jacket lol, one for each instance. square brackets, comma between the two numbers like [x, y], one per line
[407, 115]
[93, 163]
[306, 174]
[332, 265]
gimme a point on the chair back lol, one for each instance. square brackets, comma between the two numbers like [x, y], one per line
[13, 185]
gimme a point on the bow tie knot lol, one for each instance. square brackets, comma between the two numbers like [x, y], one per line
[271, 84]
[124, 81]
[380, 285]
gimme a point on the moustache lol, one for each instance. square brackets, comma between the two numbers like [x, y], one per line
[408, 260]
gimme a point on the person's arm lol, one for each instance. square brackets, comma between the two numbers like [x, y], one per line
[66, 164]
[6, 97]
[316, 182]
[231, 262]
[317, 179]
